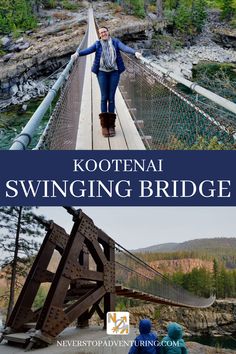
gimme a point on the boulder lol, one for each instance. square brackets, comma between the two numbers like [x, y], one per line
[225, 37]
[5, 41]
[152, 16]
[19, 40]
[8, 57]
[23, 109]
[14, 89]
[29, 32]
[24, 46]
[26, 98]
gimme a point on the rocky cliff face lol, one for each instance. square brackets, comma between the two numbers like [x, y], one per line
[42, 51]
[185, 265]
[45, 54]
[219, 319]
[225, 37]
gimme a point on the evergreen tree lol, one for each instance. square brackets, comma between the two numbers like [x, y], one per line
[198, 14]
[182, 17]
[20, 236]
[6, 19]
[137, 7]
[227, 9]
[215, 276]
[16, 14]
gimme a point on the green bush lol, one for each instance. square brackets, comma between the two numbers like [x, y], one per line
[16, 15]
[2, 52]
[233, 21]
[49, 4]
[185, 16]
[182, 18]
[68, 5]
[138, 7]
[199, 14]
[201, 143]
[205, 144]
[169, 16]
[227, 9]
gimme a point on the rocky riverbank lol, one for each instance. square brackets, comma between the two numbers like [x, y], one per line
[39, 53]
[216, 43]
[196, 348]
[217, 320]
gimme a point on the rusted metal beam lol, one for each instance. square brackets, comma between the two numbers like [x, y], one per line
[72, 280]
[38, 274]
[92, 275]
[87, 300]
[96, 308]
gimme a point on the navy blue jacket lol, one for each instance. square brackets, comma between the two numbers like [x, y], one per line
[97, 48]
[146, 342]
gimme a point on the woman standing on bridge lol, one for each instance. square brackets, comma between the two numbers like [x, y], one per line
[108, 65]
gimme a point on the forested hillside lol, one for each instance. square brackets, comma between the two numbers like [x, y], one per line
[223, 249]
[203, 266]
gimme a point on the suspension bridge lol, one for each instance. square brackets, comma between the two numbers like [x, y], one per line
[156, 109]
[92, 271]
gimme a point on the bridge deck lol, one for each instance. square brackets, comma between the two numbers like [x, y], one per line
[89, 135]
[140, 295]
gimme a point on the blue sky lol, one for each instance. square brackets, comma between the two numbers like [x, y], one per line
[145, 226]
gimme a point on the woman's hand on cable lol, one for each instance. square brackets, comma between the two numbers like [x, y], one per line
[138, 55]
[74, 56]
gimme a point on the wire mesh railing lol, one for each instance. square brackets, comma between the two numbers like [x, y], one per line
[172, 115]
[133, 273]
[61, 130]
[62, 126]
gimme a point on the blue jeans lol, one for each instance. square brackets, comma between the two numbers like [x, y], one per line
[108, 82]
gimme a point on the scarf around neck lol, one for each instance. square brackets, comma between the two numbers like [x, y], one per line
[108, 57]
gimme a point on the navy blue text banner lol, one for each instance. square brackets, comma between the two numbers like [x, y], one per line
[118, 178]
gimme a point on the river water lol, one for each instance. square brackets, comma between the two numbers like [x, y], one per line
[12, 122]
[219, 342]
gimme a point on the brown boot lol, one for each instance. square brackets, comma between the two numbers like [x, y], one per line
[112, 119]
[104, 120]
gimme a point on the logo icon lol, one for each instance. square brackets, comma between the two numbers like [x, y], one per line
[118, 323]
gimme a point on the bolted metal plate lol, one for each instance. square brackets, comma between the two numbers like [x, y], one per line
[109, 277]
[72, 270]
[88, 229]
[56, 321]
[85, 249]
[58, 236]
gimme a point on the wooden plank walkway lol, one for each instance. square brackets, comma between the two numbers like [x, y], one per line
[89, 135]
[137, 294]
